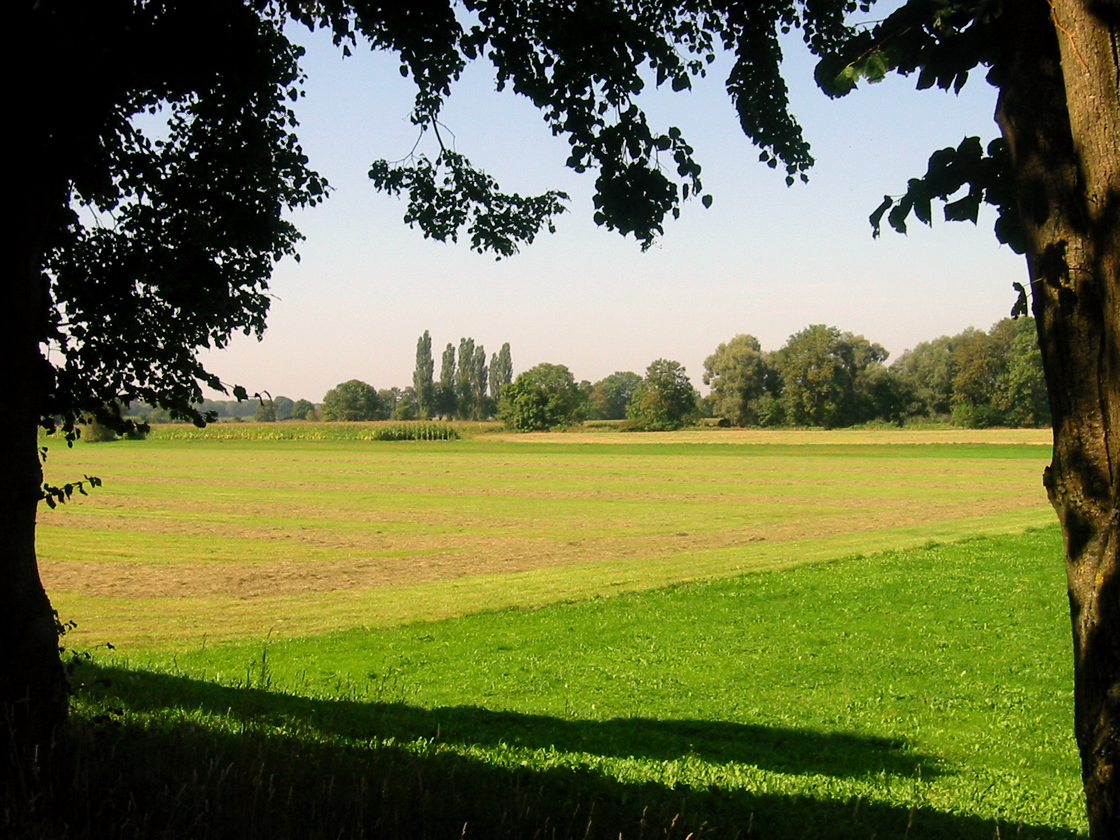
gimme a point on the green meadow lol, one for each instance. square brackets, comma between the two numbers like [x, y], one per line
[268, 537]
[807, 635]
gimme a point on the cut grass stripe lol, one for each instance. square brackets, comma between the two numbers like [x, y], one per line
[182, 623]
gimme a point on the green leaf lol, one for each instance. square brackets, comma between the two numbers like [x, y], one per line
[876, 218]
[1020, 308]
[897, 216]
[923, 210]
[875, 67]
[965, 209]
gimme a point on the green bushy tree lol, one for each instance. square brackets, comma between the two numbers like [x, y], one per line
[542, 398]
[284, 406]
[265, 412]
[664, 399]
[998, 378]
[351, 400]
[303, 410]
[611, 395]
[407, 406]
[1020, 394]
[826, 376]
[387, 399]
[740, 375]
[928, 371]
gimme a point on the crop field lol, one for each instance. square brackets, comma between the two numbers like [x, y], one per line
[713, 634]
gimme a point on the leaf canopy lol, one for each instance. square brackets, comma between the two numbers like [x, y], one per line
[161, 241]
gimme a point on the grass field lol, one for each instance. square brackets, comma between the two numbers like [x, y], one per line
[593, 635]
[287, 537]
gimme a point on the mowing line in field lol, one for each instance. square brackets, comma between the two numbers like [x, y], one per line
[242, 538]
[170, 622]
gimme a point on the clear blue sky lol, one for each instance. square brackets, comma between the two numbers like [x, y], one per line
[765, 259]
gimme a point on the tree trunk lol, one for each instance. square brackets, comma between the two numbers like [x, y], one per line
[1059, 110]
[34, 695]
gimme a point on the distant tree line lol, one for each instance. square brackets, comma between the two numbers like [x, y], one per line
[467, 388]
[980, 379]
[548, 397]
[260, 409]
[358, 400]
[825, 377]
[821, 377]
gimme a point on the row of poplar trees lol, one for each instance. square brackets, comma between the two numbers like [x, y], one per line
[468, 388]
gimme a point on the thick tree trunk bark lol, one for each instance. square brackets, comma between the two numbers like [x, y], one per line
[1059, 109]
[34, 694]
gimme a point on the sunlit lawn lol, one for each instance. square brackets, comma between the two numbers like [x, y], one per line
[285, 537]
[928, 688]
[585, 635]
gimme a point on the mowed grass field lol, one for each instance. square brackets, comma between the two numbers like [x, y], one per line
[810, 635]
[282, 538]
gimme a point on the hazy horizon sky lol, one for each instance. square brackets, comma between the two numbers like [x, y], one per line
[764, 259]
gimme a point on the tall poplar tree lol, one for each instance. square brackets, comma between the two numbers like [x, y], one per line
[479, 372]
[501, 371]
[445, 399]
[422, 377]
[464, 389]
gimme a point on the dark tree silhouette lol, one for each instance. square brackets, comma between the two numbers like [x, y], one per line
[190, 225]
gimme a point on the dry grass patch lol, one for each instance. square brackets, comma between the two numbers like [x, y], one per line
[794, 437]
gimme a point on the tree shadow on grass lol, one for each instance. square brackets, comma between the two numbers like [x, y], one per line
[784, 750]
[281, 778]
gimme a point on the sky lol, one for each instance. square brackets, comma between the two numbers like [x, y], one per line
[765, 259]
